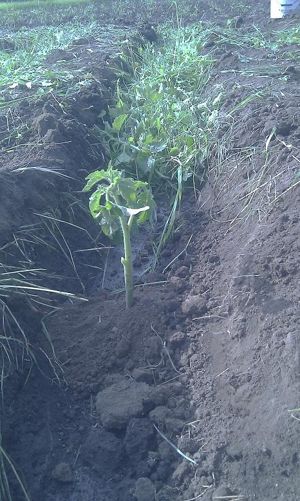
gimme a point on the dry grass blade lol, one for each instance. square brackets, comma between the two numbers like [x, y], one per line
[174, 447]
[4, 485]
[43, 169]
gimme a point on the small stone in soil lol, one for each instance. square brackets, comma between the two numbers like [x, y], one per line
[189, 445]
[177, 339]
[161, 394]
[159, 415]
[178, 283]
[194, 305]
[174, 425]
[117, 404]
[234, 453]
[182, 272]
[144, 490]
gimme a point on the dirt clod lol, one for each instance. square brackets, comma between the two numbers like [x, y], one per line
[44, 123]
[194, 305]
[177, 339]
[117, 404]
[63, 473]
[144, 490]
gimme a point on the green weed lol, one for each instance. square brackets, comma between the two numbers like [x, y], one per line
[290, 36]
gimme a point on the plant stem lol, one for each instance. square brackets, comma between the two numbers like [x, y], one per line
[127, 261]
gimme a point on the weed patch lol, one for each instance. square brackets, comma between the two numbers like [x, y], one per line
[161, 128]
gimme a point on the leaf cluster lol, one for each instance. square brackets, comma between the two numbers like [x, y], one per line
[117, 196]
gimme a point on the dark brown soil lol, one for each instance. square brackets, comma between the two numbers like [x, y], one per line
[208, 357]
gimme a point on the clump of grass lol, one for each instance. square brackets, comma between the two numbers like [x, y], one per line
[6, 466]
[16, 351]
[290, 36]
[26, 64]
[26, 71]
[272, 41]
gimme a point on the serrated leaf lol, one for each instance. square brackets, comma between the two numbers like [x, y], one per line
[94, 178]
[118, 197]
[126, 189]
[95, 201]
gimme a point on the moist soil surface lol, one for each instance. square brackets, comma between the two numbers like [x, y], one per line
[207, 360]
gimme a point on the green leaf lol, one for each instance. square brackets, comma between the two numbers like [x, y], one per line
[126, 189]
[119, 197]
[109, 224]
[95, 201]
[174, 151]
[148, 140]
[94, 178]
[119, 122]
[189, 141]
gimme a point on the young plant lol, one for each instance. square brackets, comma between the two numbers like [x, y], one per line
[116, 203]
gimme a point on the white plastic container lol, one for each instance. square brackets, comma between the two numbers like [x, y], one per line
[282, 8]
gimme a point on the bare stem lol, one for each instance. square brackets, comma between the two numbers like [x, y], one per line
[127, 261]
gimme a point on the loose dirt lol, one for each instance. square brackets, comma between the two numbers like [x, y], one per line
[208, 357]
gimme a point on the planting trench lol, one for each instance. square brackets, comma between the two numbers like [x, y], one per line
[208, 356]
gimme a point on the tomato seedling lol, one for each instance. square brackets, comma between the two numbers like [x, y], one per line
[116, 204]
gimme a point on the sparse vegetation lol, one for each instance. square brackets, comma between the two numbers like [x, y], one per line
[25, 69]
